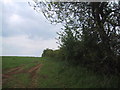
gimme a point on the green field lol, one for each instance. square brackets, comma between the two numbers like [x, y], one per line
[38, 72]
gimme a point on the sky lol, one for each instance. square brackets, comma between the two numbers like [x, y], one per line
[25, 32]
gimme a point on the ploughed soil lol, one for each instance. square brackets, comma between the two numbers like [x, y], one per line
[17, 70]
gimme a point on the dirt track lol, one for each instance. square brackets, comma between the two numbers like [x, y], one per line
[10, 73]
[33, 74]
[32, 71]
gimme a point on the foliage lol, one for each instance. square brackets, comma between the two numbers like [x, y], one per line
[51, 53]
[91, 33]
[48, 53]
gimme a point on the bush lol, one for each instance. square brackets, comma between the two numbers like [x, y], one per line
[48, 53]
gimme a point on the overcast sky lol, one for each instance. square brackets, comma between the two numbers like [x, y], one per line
[25, 32]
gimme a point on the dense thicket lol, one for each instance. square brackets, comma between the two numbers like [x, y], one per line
[91, 33]
[50, 53]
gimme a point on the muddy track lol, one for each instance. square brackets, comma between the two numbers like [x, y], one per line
[11, 72]
[32, 72]
[33, 75]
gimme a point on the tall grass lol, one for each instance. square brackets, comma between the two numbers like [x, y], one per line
[58, 74]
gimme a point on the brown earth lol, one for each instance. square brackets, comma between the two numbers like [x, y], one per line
[34, 76]
[32, 71]
[10, 73]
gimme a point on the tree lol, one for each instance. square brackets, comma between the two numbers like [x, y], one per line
[48, 53]
[102, 15]
[95, 26]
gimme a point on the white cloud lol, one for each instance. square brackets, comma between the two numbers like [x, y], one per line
[7, 1]
[26, 32]
[26, 46]
[23, 19]
[15, 19]
[0, 45]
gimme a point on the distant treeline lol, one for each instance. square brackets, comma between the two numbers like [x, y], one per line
[50, 53]
[90, 35]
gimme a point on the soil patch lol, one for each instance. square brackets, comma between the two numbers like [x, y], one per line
[32, 71]
[10, 73]
[33, 75]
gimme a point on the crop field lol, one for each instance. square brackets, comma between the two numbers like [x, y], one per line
[38, 72]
